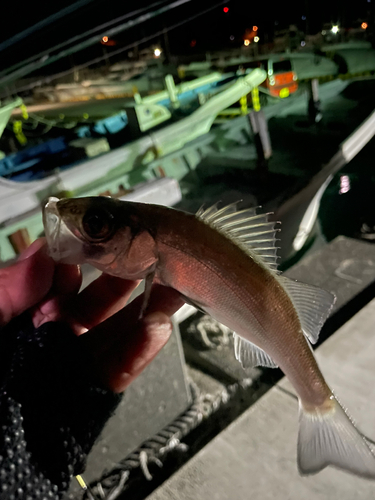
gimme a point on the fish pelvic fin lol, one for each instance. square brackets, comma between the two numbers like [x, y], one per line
[329, 437]
[250, 355]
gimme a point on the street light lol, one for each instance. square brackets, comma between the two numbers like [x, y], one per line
[335, 29]
[364, 26]
[246, 42]
[157, 52]
[256, 39]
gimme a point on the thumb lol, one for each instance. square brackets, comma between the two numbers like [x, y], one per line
[25, 283]
[118, 361]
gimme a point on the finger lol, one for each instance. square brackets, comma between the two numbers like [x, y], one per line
[66, 284]
[67, 280]
[26, 282]
[122, 346]
[35, 247]
[123, 357]
[163, 299]
[101, 299]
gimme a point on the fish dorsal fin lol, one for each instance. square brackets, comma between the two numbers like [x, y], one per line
[250, 355]
[252, 231]
[312, 304]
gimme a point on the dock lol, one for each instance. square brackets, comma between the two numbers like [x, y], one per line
[255, 457]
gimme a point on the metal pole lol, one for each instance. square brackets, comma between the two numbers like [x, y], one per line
[115, 52]
[41, 24]
[172, 91]
[314, 106]
[74, 39]
[87, 43]
[259, 126]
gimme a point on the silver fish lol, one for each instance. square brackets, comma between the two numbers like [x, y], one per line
[224, 262]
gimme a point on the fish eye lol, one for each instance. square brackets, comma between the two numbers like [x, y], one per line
[97, 224]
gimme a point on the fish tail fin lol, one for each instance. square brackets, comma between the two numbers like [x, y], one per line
[329, 437]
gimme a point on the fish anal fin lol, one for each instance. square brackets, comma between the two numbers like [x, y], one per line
[330, 438]
[250, 355]
[313, 305]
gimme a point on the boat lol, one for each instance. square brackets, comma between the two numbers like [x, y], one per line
[116, 171]
[176, 102]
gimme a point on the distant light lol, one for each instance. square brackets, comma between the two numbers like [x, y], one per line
[303, 18]
[335, 29]
[256, 39]
[193, 43]
[157, 52]
[364, 26]
[303, 43]
[255, 28]
[344, 184]
[226, 10]
[246, 42]
[105, 40]
[231, 37]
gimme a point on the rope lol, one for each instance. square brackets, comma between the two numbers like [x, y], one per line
[156, 449]
[210, 333]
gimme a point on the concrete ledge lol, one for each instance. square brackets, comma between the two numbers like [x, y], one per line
[255, 457]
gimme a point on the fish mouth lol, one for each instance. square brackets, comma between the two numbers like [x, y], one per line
[63, 245]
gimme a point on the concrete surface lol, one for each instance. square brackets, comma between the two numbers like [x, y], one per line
[344, 267]
[205, 383]
[156, 398]
[255, 457]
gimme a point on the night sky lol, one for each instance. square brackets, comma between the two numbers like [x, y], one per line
[208, 32]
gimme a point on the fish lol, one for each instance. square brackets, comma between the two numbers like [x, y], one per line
[224, 262]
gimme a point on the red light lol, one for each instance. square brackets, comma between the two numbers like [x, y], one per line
[255, 28]
[193, 43]
[226, 10]
[105, 39]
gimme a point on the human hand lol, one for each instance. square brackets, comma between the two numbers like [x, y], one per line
[120, 346]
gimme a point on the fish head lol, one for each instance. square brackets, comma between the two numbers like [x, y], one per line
[104, 232]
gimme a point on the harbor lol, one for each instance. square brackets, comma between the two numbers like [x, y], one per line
[281, 122]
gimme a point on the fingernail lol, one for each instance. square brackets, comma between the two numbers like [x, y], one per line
[32, 249]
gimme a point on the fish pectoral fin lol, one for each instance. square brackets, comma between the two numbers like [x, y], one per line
[250, 355]
[328, 437]
[147, 292]
[190, 302]
[312, 304]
